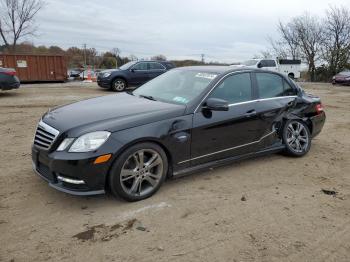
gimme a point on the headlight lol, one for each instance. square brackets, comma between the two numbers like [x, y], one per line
[65, 143]
[89, 142]
[106, 74]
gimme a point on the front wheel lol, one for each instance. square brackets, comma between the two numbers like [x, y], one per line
[138, 172]
[118, 85]
[296, 137]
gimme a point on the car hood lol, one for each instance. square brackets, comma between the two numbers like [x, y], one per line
[111, 113]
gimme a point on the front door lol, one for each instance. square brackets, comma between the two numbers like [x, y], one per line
[139, 74]
[220, 134]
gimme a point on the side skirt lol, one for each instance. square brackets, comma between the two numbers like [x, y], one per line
[226, 161]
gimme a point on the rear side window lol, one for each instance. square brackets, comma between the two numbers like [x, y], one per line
[234, 89]
[156, 66]
[272, 85]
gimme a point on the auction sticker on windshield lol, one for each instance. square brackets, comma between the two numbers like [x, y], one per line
[206, 75]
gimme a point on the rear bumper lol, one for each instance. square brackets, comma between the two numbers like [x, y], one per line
[340, 82]
[72, 176]
[317, 123]
[9, 86]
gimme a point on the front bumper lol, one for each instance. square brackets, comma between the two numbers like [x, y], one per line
[104, 82]
[70, 173]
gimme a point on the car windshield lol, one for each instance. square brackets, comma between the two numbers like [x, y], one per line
[127, 65]
[249, 62]
[345, 73]
[176, 86]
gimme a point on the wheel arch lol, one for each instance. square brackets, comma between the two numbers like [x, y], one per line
[120, 77]
[306, 120]
[139, 141]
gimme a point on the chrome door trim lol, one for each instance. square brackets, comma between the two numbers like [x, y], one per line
[228, 149]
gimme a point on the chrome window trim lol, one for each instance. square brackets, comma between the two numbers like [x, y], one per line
[228, 149]
[263, 99]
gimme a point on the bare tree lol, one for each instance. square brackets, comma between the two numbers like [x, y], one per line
[336, 45]
[309, 33]
[158, 58]
[17, 19]
[289, 37]
[278, 48]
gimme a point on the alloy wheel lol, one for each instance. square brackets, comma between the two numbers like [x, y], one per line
[141, 172]
[119, 85]
[297, 137]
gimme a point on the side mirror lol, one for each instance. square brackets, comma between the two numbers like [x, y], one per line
[216, 104]
[260, 65]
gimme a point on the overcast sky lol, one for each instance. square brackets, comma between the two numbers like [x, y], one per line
[224, 30]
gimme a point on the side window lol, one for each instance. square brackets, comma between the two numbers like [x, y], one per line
[140, 66]
[268, 63]
[272, 85]
[234, 89]
[156, 66]
[288, 90]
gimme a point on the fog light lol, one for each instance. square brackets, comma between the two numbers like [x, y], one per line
[102, 159]
[70, 180]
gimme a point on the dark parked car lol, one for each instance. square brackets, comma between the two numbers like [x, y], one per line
[185, 120]
[342, 78]
[132, 74]
[8, 79]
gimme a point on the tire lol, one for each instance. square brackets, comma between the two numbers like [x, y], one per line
[296, 137]
[291, 75]
[131, 182]
[118, 85]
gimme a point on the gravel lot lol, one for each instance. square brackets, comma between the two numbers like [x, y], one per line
[265, 209]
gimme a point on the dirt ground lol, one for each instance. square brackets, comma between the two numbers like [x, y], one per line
[265, 209]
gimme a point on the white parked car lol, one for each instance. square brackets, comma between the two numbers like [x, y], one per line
[288, 67]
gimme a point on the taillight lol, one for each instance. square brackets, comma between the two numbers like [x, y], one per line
[319, 108]
[10, 73]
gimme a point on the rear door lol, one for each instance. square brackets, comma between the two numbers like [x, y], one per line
[155, 69]
[275, 98]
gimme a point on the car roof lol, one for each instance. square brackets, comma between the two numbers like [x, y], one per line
[215, 69]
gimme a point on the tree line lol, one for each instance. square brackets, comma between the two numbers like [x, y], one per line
[322, 42]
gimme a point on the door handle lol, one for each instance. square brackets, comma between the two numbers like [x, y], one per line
[250, 113]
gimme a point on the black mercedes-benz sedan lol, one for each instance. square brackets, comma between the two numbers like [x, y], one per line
[185, 120]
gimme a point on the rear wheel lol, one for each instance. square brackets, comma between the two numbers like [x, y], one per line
[118, 85]
[139, 172]
[291, 75]
[296, 137]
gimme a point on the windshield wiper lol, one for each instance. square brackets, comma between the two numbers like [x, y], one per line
[148, 97]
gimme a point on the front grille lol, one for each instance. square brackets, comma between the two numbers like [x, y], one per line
[45, 136]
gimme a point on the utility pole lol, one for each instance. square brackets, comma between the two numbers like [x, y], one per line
[202, 55]
[84, 47]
